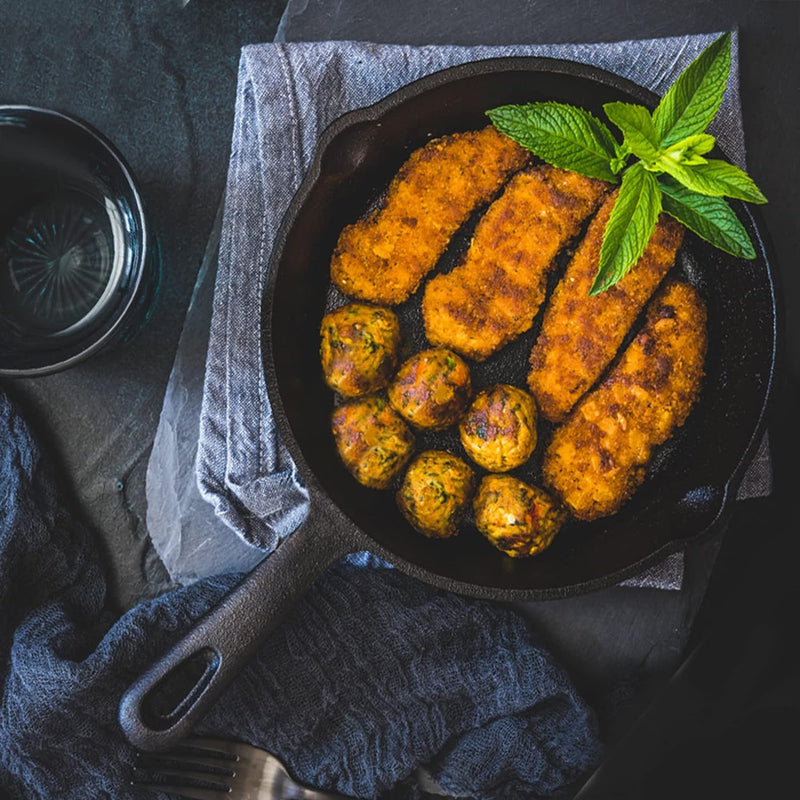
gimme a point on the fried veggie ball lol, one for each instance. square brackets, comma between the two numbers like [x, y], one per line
[359, 348]
[435, 493]
[499, 429]
[517, 518]
[432, 388]
[373, 441]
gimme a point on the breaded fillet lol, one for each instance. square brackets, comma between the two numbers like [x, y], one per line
[597, 458]
[383, 257]
[580, 334]
[494, 294]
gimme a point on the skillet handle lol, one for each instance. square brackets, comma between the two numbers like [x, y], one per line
[169, 697]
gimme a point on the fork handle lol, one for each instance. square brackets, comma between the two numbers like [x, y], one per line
[162, 706]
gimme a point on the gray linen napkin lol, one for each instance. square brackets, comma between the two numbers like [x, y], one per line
[287, 95]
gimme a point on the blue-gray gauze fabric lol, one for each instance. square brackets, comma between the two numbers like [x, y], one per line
[287, 95]
[371, 676]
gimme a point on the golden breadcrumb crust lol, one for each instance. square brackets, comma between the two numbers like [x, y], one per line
[580, 334]
[597, 458]
[495, 293]
[383, 257]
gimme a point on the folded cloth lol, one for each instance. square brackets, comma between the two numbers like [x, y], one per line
[373, 674]
[287, 95]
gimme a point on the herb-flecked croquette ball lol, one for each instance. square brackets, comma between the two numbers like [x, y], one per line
[498, 431]
[432, 388]
[435, 493]
[372, 439]
[517, 518]
[359, 348]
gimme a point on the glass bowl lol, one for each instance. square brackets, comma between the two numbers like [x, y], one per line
[78, 270]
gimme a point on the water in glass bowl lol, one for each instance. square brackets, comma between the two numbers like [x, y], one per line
[75, 265]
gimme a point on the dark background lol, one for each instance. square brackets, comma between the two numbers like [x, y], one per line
[159, 78]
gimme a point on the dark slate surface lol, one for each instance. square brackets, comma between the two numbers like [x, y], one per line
[159, 80]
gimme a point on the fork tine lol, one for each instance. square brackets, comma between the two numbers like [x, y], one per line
[204, 768]
[188, 793]
[189, 777]
[178, 759]
[192, 774]
[225, 749]
[270, 764]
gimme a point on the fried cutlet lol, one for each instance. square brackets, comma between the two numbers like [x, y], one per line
[495, 293]
[580, 334]
[598, 457]
[383, 257]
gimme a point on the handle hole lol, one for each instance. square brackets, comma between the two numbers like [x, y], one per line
[179, 689]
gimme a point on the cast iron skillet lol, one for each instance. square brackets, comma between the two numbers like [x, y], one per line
[692, 480]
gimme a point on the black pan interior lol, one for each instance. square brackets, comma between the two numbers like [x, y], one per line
[691, 476]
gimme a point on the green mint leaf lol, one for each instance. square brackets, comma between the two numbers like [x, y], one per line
[700, 143]
[715, 178]
[711, 218]
[694, 99]
[629, 227]
[690, 151]
[621, 157]
[618, 164]
[565, 136]
[729, 180]
[636, 125]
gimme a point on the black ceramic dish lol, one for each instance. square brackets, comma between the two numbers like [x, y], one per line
[693, 480]
[78, 269]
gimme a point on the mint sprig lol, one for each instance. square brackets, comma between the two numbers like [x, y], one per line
[661, 162]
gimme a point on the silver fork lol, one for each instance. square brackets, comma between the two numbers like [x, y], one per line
[207, 769]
